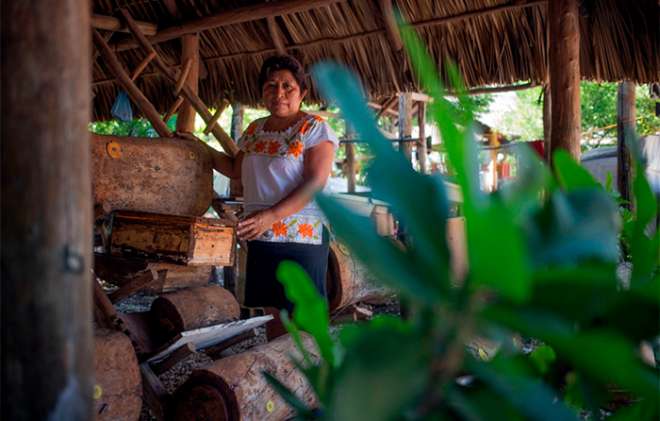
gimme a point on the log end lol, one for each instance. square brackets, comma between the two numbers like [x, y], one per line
[205, 396]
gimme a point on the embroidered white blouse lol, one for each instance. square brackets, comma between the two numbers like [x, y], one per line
[273, 167]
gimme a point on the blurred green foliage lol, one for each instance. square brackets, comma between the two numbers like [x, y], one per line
[543, 255]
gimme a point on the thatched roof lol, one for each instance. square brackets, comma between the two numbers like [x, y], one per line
[507, 44]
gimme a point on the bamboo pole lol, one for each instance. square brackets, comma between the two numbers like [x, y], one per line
[133, 91]
[227, 143]
[625, 120]
[564, 50]
[47, 342]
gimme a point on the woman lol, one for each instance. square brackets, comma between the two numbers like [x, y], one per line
[283, 160]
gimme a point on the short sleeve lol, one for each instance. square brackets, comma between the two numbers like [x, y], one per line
[247, 135]
[320, 132]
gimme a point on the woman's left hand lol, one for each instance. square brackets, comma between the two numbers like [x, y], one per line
[255, 224]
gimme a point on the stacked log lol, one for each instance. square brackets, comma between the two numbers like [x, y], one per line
[192, 308]
[234, 388]
[118, 388]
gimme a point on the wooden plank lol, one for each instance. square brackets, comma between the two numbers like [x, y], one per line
[133, 91]
[564, 58]
[170, 176]
[182, 239]
[232, 17]
[154, 394]
[625, 130]
[209, 336]
[173, 359]
[227, 143]
[110, 23]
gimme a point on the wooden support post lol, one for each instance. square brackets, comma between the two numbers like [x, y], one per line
[133, 91]
[421, 144]
[547, 121]
[173, 109]
[564, 52]
[236, 120]
[405, 124]
[350, 158]
[625, 123]
[185, 121]
[47, 343]
[199, 106]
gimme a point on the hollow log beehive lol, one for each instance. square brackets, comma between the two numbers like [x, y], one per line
[234, 388]
[118, 388]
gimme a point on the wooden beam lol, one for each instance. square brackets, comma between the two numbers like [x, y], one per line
[232, 17]
[47, 342]
[183, 76]
[386, 106]
[275, 35]
[215, 118]
[391, 27]
[143, 65]
[133, 91]
[173, 109]
[477, 13]
[625, 119]
[189, 75]
[109, 23]
[421, 145]
[564, 54]
[227, 143]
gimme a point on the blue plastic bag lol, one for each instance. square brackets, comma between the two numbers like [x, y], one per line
[121, 109]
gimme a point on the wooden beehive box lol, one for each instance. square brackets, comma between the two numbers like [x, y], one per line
[186, 240]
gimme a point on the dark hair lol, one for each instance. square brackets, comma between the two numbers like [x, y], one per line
[286, 62]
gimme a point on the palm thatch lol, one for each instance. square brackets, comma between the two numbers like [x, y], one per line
[504, 44]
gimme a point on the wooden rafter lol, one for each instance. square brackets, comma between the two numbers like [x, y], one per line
[231, 17]
[227, 143]
[109, 23]
[133, 91]
[390, 24]
[276, 35]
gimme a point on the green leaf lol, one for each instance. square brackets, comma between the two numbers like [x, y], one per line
[495, 245]
[542, 357]
[420, 201]
[530, 396]
[602, 355]
[645, 250]
[310, 310]
[289, 397]
[381, 256]
[573, 227]
[572, 175]
[385, 368]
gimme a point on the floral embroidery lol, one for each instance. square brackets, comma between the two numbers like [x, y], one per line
[295, 148]
[273, 147]
[305, 230]
[279, 229]
[251, 128]
[305, 126]
[260, 146]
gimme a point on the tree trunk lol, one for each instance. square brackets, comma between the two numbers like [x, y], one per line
[192, 308]
[564, 50]
[625, 124]
[185, 121]
[234, 388]
[118, 388]
[46, 211]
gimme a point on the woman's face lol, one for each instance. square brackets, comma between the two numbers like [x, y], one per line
[281, 94]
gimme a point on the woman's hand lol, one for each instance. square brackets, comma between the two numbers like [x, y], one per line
[255, 224]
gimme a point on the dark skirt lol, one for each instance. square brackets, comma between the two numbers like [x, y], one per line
[262, 289]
